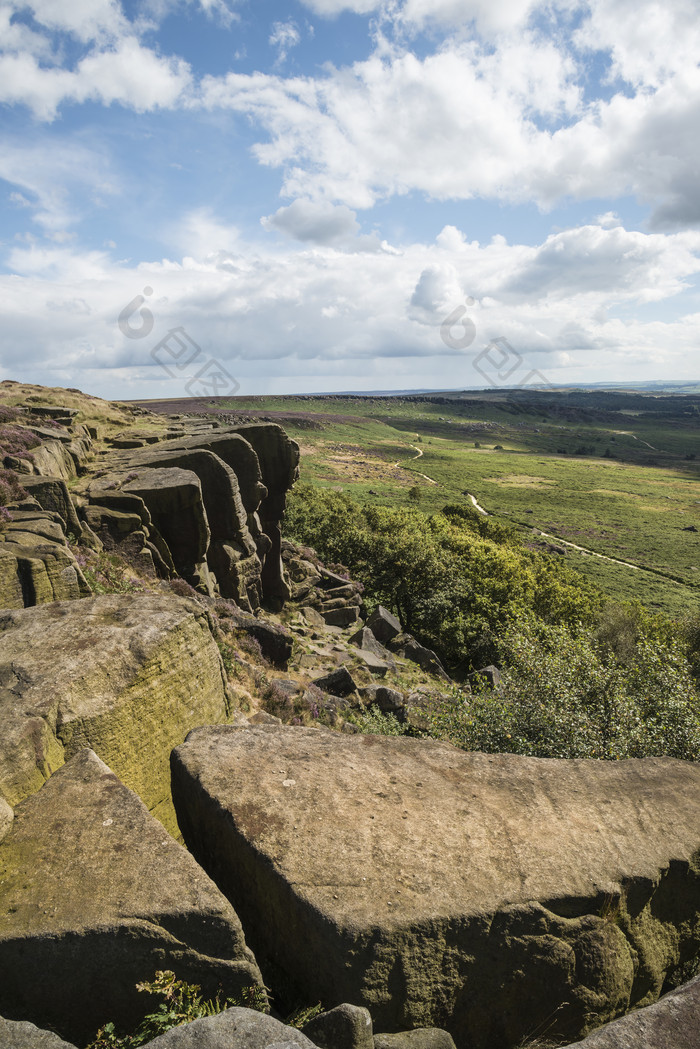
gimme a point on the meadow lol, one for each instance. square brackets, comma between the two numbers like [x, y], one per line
[618, 476]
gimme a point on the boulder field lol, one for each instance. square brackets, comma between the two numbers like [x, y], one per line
[435, 883]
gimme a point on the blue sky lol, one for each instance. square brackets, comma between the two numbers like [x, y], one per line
[309, 189]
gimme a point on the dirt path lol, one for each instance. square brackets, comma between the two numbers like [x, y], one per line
[412, 459]
[628, 433]
[593, 553]
[565, 542]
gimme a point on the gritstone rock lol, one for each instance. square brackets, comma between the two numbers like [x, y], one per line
[233, 1029]
[95, 896]
[434, 883]
[18, 1034]
[126, 674]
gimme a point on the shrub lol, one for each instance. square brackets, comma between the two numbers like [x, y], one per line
[454, 579]
[561, 697]
[16, 441]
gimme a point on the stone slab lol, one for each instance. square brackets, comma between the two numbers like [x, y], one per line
[671, 1023]
[94, 897]
[126, 674]
[479, 893]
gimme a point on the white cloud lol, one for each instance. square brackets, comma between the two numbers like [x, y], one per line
[317, 222]
[284, 36]
[129, 74]
[648, 41]
[87, 20]
[332, 8]
[300, 312]
[55, 178]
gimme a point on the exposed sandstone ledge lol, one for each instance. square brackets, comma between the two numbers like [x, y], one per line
[94, 897]
[488, 894]
[126, 674]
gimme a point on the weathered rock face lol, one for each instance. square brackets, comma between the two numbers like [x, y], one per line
[6, 817]
[278, 456]
[35, 572]
[94, 897]
[126, 674]
[434, 883]
[671, 1023]
[209, 505]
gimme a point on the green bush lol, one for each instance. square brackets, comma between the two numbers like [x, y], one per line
[563, 696]
[454, 579]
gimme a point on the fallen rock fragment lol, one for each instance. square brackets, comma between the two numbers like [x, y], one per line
[18, 1034]
[95, 897]
[345, 1027]
[671, 1023]
[235, 1028]
[384, 625]
[434, 882]
[339, 682]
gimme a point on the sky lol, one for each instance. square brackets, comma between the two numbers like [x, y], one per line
[205, 197]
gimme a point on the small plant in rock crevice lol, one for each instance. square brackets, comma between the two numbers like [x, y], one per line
[180, 1003]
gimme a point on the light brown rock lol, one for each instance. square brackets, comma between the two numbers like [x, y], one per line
[486, 894]
[94, 897]
[126, 674]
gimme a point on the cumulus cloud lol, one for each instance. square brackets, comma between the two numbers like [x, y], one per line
[128, 73]
[318, 312]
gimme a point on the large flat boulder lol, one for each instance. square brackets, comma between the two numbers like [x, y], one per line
[492, 895]
[95, 897]
[671, 1023]
[126, 674]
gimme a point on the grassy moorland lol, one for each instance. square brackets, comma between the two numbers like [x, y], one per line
[615, 474]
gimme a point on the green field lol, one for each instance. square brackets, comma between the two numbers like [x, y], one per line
[619, 477]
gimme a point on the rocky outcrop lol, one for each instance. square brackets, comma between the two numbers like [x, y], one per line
[95, 897]
[336, 599]
[671, 1023]
[126, 674]
[210, 504]
[434, 883]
